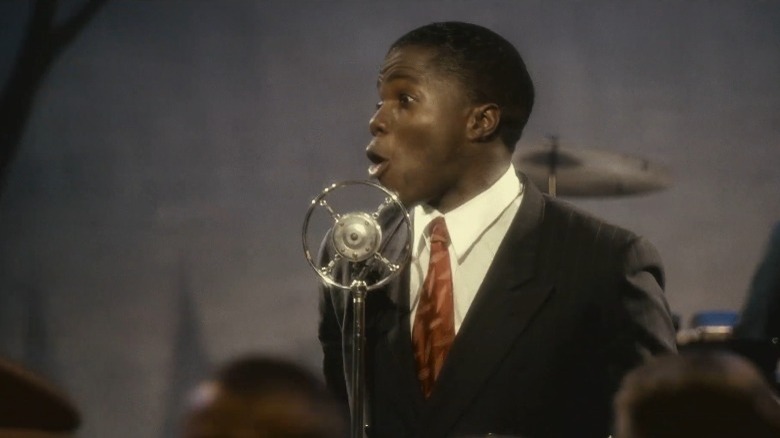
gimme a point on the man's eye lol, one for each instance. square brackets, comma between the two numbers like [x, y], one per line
[405, 99]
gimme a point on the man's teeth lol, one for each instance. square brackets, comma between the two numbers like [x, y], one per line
[374, 169]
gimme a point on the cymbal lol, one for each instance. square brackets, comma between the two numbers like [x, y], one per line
[29, 402]
[589, 172]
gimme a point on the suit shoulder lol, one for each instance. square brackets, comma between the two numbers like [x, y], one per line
[577, 241]
[561, 216]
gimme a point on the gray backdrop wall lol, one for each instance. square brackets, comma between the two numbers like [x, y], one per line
[151, 224]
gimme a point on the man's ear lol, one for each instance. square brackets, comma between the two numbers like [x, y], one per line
[483, 121]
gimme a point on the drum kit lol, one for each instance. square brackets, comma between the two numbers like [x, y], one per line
[565, 171]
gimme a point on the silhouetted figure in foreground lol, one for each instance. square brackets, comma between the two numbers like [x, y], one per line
[696, 394]
[259, 397]
[31, 407]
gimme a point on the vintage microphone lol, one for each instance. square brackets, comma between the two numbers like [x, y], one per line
[357, 240]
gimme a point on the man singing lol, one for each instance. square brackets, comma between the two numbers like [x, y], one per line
[517, 314]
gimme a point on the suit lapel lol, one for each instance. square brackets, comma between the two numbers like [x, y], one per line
[504, 305]
[399, 339]
[393, 327]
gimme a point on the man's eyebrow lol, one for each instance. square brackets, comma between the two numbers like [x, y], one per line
[395, 76]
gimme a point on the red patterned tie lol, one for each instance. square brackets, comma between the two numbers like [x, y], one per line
[434, 323]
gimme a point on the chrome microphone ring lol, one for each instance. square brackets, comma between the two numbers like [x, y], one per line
[357, 239]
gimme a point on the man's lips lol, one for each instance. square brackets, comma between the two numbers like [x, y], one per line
[375, 170]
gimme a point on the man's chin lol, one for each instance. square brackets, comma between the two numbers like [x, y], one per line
[389, 187]
[405, 199]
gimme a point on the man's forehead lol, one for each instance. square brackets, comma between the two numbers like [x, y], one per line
[410, 63]
[398, 75]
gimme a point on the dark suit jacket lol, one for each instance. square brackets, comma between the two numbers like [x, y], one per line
[567, 307]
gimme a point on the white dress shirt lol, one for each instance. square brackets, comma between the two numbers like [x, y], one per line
[476, 229]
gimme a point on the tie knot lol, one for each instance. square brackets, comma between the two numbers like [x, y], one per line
[438, 230]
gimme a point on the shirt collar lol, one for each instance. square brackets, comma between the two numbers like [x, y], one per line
[467, 222]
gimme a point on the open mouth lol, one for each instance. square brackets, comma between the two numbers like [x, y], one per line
[375, 170]
[379, 163]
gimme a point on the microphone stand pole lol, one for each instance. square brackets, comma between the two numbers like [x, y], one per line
[552, 181]
[358, 290]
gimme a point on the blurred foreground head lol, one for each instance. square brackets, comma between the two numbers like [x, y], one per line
[256, 397]
[31, 407]
[702, 393]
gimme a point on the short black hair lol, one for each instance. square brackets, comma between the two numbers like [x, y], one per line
[713, 393]
[270, 396]
[251, 375]
[488, 66]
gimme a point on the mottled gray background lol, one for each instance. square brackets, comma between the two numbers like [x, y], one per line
[151, 224]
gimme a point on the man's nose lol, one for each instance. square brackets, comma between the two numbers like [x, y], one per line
[377, 125]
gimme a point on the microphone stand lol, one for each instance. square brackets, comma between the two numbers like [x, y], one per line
[357, 238]
[552, 180]
[358, 290]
